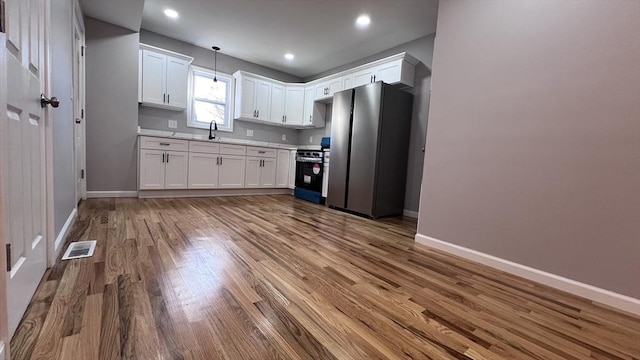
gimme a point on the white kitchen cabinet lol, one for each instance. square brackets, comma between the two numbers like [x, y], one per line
[294, 105]
[314, 112]
[347, 81]
[163, 169]
[292, 169]
[164, 78]
[253, 97]
[268, 173]
[203, 170]
[231, 171]
[283, 165]
[326, 89]
[398, 71]
[363, 76]
[278, 99]
[260, 172]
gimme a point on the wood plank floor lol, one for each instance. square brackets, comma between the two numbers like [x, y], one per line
[272, 277]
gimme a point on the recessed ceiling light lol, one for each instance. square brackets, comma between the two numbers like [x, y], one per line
[289, 56]
[171, 13]
[363, 20]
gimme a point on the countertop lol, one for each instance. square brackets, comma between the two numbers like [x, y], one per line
[222, 139]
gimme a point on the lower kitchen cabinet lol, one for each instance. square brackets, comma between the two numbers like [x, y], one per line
[283, 166]
[203, 170]
[260, 172]
[163, 169]
[231, 172]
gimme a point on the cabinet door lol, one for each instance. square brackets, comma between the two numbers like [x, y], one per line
[363, 77]
[177, 76]
[151, 169]
[309, 98]
[176, 170]
[263, 100]
[390, 72]
[333, 86]
[268, 173]
[292, 169]
[282, 169]
[294, 106]
[154, 69]
[203, 171]
[277, 104]
[347, 82]
[248, 97]
[252, 172]
[321, 91]
[231, 172]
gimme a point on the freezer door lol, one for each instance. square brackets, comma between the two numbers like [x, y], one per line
[364, 148]
[340, 135]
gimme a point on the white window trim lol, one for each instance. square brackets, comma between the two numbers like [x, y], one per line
[230, 103]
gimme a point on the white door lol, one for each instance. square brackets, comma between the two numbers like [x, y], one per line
[263, 100]
[78, 110]
[154, 70]
[176, 170]
[282, 169]
[151, 169]
[177, 76]
[277, 104]
[294, 105]
[248, 97]
[309, 98]
[22, 125]
[203, 170]
[390, 73]
[231, 171]
[268, 173]
[252, 172]
[363, 77]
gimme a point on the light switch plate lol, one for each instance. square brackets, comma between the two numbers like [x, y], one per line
[284, 137]
[310, 139]
[173, 124]
[249, 132]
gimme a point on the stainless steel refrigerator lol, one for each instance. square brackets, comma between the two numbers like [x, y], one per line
[369, 149]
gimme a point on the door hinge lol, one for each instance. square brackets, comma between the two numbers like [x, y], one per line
[82, 174]
[8, 255]
[3, 19]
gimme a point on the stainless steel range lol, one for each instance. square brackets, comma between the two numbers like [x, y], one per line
[309, 174]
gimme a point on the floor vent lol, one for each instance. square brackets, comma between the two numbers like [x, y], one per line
[80, 249]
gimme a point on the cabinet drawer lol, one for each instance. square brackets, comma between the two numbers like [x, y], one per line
[155, 143]
[229, 149]
[204, 147]
[261, 152]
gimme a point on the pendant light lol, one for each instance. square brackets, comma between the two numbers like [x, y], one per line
[215, 62]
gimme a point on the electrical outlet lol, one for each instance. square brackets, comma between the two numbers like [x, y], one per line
[284, 137]
[173, 124]
[249, 132]
[310, 139]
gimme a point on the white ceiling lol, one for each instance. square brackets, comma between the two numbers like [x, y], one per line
[124, 13]
[321, 33]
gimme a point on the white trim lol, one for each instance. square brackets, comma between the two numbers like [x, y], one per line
[587, 291]
[63, 233]
[410, 213]
[111, 194]
[146, 194]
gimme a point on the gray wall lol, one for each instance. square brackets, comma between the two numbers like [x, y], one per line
[421, 49]
[112, 107]
[62, 122]
[157, 119]
[533, 148]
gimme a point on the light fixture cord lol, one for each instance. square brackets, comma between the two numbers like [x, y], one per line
[215, 65]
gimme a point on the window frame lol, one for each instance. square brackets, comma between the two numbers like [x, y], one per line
[193, 70]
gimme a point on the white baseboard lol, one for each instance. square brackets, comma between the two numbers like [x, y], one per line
[146, 194]
[409, 213]
[63, 232]
[587, 291]
[111, 194]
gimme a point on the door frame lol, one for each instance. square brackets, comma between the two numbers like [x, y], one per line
[79, 69]
[4, 320]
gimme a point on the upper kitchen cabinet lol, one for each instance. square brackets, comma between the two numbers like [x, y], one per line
[396, 70]
[294, 105]
[314, 111]
[326, 89]
[253, 97]
[164, 77]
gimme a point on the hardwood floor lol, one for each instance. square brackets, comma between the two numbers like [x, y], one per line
[272, 277]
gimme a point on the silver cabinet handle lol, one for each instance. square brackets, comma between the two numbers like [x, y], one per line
[162, 157]
[261, 152]
[167, 158]
[168, 98]
[221, 160]
[164, 96]
[165, 144]
[258, 113]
